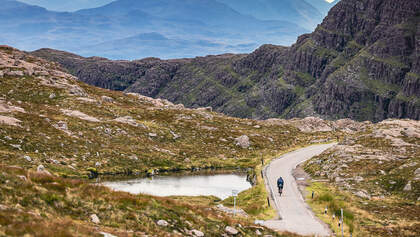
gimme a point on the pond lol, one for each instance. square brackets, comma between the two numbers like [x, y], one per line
[219, 185]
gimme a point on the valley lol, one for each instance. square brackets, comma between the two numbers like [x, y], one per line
[91, 146]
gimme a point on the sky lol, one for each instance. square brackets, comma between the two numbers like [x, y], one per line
[73, 5]
[67, 5]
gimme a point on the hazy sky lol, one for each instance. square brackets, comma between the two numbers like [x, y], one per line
[67, 5]
[74, 5]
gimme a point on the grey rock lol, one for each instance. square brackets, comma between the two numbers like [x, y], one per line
[104, 234]
[95, 219]
[107, 99]
[243, 141]
[363, 194]
[162, 223]
[231, 231]
[27, 158]
[40, 168]
[407, 187]
[197, 233]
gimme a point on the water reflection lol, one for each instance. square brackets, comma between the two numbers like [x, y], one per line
[219, 185]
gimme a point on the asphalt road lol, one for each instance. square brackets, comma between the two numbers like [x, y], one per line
[294, 214]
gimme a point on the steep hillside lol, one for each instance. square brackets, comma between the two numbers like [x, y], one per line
[56, 131]
[360, 63]
[377, 172]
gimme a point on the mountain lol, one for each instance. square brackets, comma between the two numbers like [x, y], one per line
[297, 11]
[323, 6]
[66, 6]
[202, 27]
[360, 63]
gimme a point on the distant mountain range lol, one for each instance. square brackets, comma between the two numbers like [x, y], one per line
[117, 30]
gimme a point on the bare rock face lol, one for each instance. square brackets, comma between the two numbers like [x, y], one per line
[360, 63]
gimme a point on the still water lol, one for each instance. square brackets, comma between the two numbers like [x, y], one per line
[219, 185]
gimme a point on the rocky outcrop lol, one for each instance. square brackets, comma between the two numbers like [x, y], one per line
[360, 63]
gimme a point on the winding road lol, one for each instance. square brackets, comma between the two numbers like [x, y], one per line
[294, 214]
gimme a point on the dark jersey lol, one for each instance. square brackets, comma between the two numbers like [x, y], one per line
[280, 182]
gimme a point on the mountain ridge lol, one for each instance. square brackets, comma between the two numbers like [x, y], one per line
[341, 70]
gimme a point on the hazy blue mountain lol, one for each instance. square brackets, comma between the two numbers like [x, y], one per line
[117, 30]
[322, 5]
[66, 5]
[297, 11]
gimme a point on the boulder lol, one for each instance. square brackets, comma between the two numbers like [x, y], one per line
[40, 168]
[362, 194]
[27, 158]
[107, 99]
[407, 186]
[231, 231]
[197, 233]
[243, 141]
[104, 234]
[162, 223]
[95, 219]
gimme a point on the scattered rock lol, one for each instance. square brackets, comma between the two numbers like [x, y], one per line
[80, 115]
[107, 99]
[9, 121]
[104, 234]
[152, 135]
[9, 108]
[27, 158]
[231, 231]
[362, 194]
[197, 233]
[98, 164]
[208, 128]
[258, 232]
[52, 96]
[128, 120]
[176, 136]
[95, 219]
[228, 210]
[40, 168]
[87, 100]
[242, 141]
[408, 186]
[162, 223]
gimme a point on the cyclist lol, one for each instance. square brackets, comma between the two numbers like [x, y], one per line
[280, 184]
